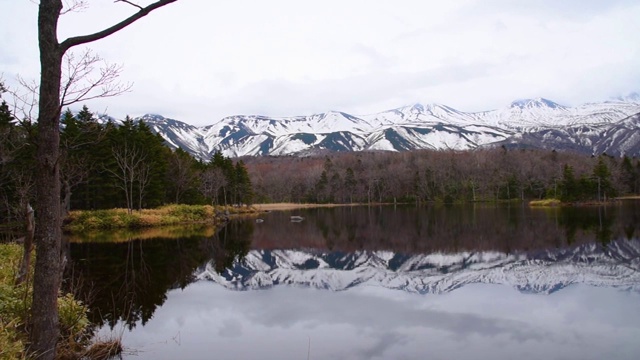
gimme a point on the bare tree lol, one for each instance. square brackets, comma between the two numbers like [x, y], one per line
[131, 170]
[75, 171]
[144, 177]
[48, 234]
[182, 173]
[211, 181]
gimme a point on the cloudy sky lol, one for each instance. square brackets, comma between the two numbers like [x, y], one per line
[200, 60]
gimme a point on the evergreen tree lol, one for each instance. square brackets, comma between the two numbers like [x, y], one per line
[602, 177]
[569, 187]
[629, 176]
[6, 118]
[78, 139]
[242, 185]
[350, 183]
[321, 187]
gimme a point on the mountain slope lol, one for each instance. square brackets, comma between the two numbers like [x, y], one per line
[616, 139]
[591, 128]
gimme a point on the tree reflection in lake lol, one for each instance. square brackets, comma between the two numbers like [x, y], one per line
[448, 228]
[130, 280]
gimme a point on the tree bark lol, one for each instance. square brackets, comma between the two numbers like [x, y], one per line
[46, 283]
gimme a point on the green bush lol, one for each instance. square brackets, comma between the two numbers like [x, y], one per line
[73, 318]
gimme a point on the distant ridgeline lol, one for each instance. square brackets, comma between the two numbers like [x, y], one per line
[609, 127]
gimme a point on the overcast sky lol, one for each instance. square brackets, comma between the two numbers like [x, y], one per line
[200, 60]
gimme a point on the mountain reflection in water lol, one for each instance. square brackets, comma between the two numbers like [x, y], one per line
[416, 250]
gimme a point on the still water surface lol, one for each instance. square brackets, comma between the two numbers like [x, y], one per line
[376, 283]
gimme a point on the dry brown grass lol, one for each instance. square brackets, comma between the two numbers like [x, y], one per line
[545, 202]
[84, 220]
[103, 350]
[125, 235]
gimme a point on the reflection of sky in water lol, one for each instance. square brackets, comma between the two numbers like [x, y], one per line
[206, 321]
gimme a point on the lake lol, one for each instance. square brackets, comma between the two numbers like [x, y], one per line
[387, 282]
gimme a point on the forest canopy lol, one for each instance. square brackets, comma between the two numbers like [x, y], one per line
[104, 165]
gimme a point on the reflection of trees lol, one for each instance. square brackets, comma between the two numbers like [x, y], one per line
[408, 229]
[231, 243]
[596, 223]
[130, 280]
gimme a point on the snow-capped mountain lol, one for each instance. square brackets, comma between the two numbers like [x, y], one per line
[593, 128]
[614, 138]
[616, 264]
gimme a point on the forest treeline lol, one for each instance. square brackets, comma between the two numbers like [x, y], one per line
[488, 174]
[128, 166]
[107, 166]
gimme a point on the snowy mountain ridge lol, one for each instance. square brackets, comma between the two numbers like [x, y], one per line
[616, 264]
[418, 126]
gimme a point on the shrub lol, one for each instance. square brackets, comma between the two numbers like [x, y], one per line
[15, 303]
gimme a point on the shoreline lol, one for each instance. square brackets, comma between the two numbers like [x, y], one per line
[295, 206]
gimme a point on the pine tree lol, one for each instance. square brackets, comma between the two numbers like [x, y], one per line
[569, 189]
[243, 188]
[602, 176]
[629, 175]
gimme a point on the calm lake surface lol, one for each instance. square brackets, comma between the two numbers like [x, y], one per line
[459, 282]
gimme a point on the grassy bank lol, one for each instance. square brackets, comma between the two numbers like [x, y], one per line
[15, 305]
[556, 202]
[84, 220]
[545, 202]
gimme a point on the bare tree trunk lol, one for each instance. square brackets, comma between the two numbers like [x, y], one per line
[143, 180]
[48, 233]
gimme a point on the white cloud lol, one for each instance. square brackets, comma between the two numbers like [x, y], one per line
[198, 60]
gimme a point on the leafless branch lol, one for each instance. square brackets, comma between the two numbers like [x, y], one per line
[85, 78]
[74, 6]
[82, 81]
[24, 100]
[130, 3]
[131, 166]
[79, 40]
